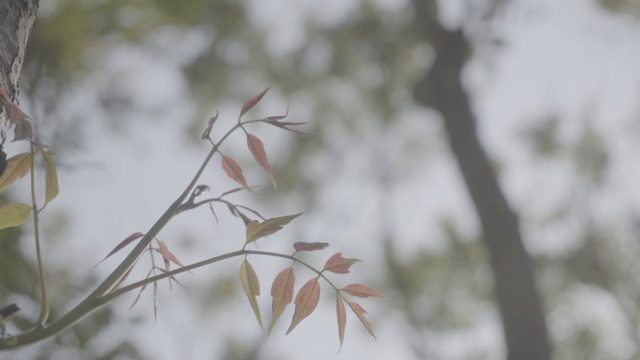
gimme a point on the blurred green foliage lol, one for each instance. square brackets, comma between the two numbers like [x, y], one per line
[353, 75]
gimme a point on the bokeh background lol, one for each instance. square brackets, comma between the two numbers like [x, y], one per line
[122, 91]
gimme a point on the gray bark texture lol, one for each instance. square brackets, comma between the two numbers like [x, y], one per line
[517, 297]
[17, 17]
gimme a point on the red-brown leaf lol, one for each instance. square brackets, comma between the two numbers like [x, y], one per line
[257, 150]
[234, 171]
[286, 126]
[305, 246]
[360, 313]
[282, 293]
[342, 318]
[165, 254]
[306, 301]
[253, 101]
[277, 117]
[361, 291]
[122, 244]
[338, 264]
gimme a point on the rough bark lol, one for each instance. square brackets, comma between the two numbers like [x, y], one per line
[518, 300]
[17, 17]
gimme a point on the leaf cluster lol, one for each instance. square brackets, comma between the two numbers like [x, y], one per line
[257, 227]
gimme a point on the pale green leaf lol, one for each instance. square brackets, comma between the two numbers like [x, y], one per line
[17, 167]
[14, 214]
[251, 287]
[51, 178]
[256, 230]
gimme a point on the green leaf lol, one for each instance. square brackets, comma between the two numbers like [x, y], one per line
[51, 178]
[14, 214]
[257, 230]
[251, 287]
[17, 167]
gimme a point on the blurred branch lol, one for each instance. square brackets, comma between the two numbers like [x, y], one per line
[518, 300]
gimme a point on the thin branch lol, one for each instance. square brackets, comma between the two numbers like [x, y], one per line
[44, 307]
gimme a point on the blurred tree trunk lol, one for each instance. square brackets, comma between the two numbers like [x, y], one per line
[518, 300]
[17, 17]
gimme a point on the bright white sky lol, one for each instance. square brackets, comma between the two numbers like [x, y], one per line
[560, 57]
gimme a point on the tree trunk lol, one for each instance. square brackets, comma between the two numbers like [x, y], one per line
[17, 17]
[518, 300]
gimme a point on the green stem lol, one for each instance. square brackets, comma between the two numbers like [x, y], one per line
[44, 307]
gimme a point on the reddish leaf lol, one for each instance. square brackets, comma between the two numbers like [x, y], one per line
[305, 246]
[306, 301]
[339, 265]
[282, 293]
[123, 243]
[257, 150]
[360, 313]
[165, 254]
[253, 101]
[234, 171]
[342, 318]
[361, 291]
[277, 117]
[256, 230]
[286, 126]
[17, 167]
[251, 287]
[206, 135]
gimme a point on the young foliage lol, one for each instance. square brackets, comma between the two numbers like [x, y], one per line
[122, 244]
[234, 171]
[17, 167]
[305, 246]
[360, 313]
[257, 150]
[253, 101]
[342, 318]
[51, 178]
[251, 287]
[256, 230]
[338, 264]
[306, 301]
[282, 294]
[194, 196]
[14, 214]
[361, 291]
